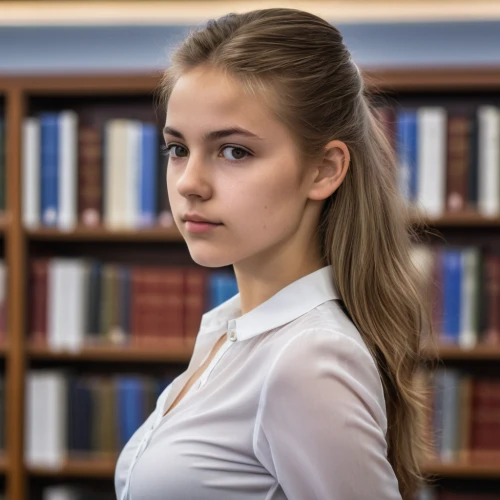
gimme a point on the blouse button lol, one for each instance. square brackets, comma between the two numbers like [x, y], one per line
[232, 335]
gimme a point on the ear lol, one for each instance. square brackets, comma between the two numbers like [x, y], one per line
[330, 171]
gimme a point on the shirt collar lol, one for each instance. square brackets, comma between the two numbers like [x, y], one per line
[288, 304]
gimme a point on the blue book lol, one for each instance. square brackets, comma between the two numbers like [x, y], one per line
[407, 151]
[79, 414]
[148, 175]
[231, 286]
[222, 286]
[131, 407]
[49, 168]
[452, 280]
[215, 292]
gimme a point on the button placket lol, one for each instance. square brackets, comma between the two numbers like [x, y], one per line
[145, 442]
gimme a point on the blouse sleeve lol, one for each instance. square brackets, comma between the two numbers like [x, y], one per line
[320, 427]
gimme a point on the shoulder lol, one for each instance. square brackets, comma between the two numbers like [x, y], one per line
[324, 362]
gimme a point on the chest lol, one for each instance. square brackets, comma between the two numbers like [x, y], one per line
[197, 374]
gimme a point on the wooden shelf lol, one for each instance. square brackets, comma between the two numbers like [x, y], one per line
[180, 352]
[173, 352]
[382, 79]
[105, 468]
[102, 234]
[469, 469]
[432, 79]
[23, 94]
[463, 220]
[83, 84]
[91, 468]
[454, 352]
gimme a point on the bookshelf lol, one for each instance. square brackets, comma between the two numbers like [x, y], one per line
[21, 96]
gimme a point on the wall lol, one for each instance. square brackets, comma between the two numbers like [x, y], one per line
[129, 48]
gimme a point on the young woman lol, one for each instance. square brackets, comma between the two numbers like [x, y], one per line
[299, 387]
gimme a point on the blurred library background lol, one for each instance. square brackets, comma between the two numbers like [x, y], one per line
[100, 302]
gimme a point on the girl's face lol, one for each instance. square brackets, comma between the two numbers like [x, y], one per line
[232, 163]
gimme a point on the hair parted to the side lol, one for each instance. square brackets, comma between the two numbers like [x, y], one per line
[298, 64]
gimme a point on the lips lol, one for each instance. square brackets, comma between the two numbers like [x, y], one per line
[201, 221]
[198, 218]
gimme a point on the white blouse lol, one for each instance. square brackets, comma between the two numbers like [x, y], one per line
[291, 407]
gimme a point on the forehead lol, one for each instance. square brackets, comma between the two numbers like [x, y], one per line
[202, 97]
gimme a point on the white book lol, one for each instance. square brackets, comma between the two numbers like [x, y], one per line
[34, 438]
[489, 160]
[75, 298]
[431, 147]
[115, 186]
[68, 170]
[467, 337]
[66, 304]
[132, 174]
[59, 493]
[45, 419]
[31, 172]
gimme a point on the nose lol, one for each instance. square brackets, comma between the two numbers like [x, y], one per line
[194, 179]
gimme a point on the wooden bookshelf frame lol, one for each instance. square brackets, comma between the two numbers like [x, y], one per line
[16, 90]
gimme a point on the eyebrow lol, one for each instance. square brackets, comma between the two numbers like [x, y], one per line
[216, 134]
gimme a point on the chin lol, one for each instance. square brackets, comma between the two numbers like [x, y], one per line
[206, 260]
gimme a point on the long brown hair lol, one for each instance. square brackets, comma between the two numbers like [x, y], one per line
[298, 63]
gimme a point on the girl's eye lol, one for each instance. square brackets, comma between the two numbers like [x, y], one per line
[167, 150]
[238, 153]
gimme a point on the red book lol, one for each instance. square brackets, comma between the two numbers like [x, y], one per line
[37, 297]
[172, 310]
[457, 162]
[89, 176]
[492, 263]
[485, 421]
[156, 310]
[195, 281]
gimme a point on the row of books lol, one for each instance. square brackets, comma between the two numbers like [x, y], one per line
[462, 414]
[84, 174]
[463, 287]
[84, 416]
[432, 493]
[3, 165]
[448, 159]
[112, 175]
[75, 302]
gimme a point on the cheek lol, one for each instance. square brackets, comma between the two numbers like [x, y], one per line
[170, 185]
[268, 206]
